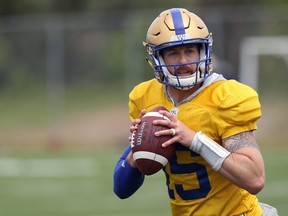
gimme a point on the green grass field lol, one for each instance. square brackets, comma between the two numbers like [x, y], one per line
[79, 182]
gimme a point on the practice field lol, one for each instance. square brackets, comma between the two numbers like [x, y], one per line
[78, 182]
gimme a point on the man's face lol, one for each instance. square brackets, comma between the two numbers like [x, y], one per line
[181, 55]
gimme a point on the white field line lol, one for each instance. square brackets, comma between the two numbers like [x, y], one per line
[13, 167]
[85, 167]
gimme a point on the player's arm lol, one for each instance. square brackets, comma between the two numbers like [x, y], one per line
[244, 166]
[127, 178]
[239, 160]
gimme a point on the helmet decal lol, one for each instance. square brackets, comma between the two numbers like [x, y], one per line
[177, 21]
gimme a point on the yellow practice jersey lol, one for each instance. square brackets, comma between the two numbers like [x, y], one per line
[220, 110]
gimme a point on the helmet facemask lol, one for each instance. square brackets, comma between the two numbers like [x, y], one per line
[203, 65]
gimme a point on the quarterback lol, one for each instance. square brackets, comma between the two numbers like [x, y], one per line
[217, 168]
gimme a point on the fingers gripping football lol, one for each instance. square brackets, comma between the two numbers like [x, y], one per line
[182, 134]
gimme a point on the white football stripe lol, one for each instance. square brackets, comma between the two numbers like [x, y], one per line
[155, 114]
[150, 156]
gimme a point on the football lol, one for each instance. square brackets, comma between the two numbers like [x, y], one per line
[148, 153]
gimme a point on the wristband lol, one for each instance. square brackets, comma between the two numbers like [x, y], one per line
[211, 151]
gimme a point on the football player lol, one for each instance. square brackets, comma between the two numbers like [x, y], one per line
[217, 168]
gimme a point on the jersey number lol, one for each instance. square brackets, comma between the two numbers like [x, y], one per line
[202, 176]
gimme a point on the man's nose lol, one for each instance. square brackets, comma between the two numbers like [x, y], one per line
[182, 58]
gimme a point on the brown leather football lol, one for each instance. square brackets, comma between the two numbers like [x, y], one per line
[148, 153]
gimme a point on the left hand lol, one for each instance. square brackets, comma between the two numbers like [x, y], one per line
[183, 134]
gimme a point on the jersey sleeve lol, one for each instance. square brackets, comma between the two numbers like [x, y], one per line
[238, 110]
[136, 102]
[134, 112]
[127, 180]
[145, 95]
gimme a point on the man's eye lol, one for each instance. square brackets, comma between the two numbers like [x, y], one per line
[172, 53]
